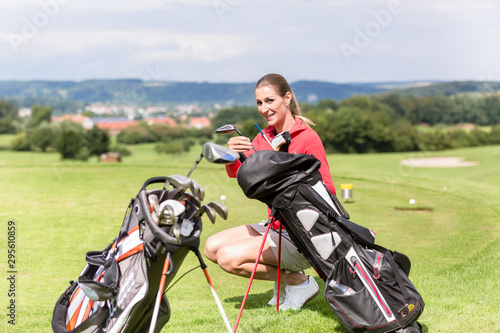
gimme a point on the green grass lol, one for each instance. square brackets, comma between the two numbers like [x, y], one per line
[5, 140]
[63, 209]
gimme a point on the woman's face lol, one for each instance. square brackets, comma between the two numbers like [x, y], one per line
[274, 108]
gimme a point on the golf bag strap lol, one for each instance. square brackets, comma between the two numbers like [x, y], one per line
[97, 258]
[390, 257]
[125, 226]
[356, 230]
[399, 279]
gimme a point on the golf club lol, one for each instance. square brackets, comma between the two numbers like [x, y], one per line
[153, 203]
[210, 213]
[171, 212]
[262, 133]
[219, 208]
[197, 190]
[177, 181]
[190, 197]
[215, 154]
[202, 210]
[230, 128]
[176, 231]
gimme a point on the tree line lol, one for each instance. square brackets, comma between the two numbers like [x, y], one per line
[359, 124]
[390, 122]
[38, 133]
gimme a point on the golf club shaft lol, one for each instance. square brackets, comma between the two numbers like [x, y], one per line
[164, 190]
[195, 164]
[154, 317]
[264, 136]
[251, 277]
[241, 134]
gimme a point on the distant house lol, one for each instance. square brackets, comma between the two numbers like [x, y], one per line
[164, 120]
[114, 125]
[465, 126]
[199, 122]
[86, 122]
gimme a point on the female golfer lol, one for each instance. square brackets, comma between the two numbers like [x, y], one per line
[235, 250]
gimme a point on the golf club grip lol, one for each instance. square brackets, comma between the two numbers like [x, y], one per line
[154, 180]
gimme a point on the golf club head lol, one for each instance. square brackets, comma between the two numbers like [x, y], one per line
[197, 190]
[176, 231]
[179, 181]
[190, 197]
[229, 128]
[208, 210]
[218, 154]
[169, 213]
[210, 213]
[219, 208]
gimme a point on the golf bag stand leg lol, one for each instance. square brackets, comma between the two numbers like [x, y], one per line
[165, 272]
[214, 293]
[278, 273]
[253, 274]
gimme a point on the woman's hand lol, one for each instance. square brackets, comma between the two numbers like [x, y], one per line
[239, 144]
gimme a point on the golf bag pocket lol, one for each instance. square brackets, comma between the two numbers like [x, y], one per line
[74, 312]
[381, 298]
[109, 287]
[100, 281]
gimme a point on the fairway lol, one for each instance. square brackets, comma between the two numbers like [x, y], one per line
[62, 209]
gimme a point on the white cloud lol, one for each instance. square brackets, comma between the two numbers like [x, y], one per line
[143, 45]
[301, 37]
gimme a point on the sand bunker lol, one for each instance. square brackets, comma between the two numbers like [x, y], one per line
[438, 162]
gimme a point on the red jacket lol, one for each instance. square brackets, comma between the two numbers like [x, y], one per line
[305, 140]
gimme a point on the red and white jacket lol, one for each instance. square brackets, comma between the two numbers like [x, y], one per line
[305, 140]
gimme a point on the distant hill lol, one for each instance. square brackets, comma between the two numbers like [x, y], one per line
[135, 91]
[65, 96]
[450, 88]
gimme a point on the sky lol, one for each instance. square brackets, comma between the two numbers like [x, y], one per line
[242, 40]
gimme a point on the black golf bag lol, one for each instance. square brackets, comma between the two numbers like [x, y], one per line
[116, 291]
[367, 286]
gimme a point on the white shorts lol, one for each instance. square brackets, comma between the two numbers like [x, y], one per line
[291, 258]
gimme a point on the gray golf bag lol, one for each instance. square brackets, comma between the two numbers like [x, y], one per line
[116, 291]
[367, 286]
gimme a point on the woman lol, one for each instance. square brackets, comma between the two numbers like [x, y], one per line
[235, 249]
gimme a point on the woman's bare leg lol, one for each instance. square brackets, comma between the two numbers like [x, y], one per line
[236, 249]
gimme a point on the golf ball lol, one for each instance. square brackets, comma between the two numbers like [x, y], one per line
[412, 201]
[223, 197]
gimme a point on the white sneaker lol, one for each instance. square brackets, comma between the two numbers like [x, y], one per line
[297, 296]
[272, 302]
